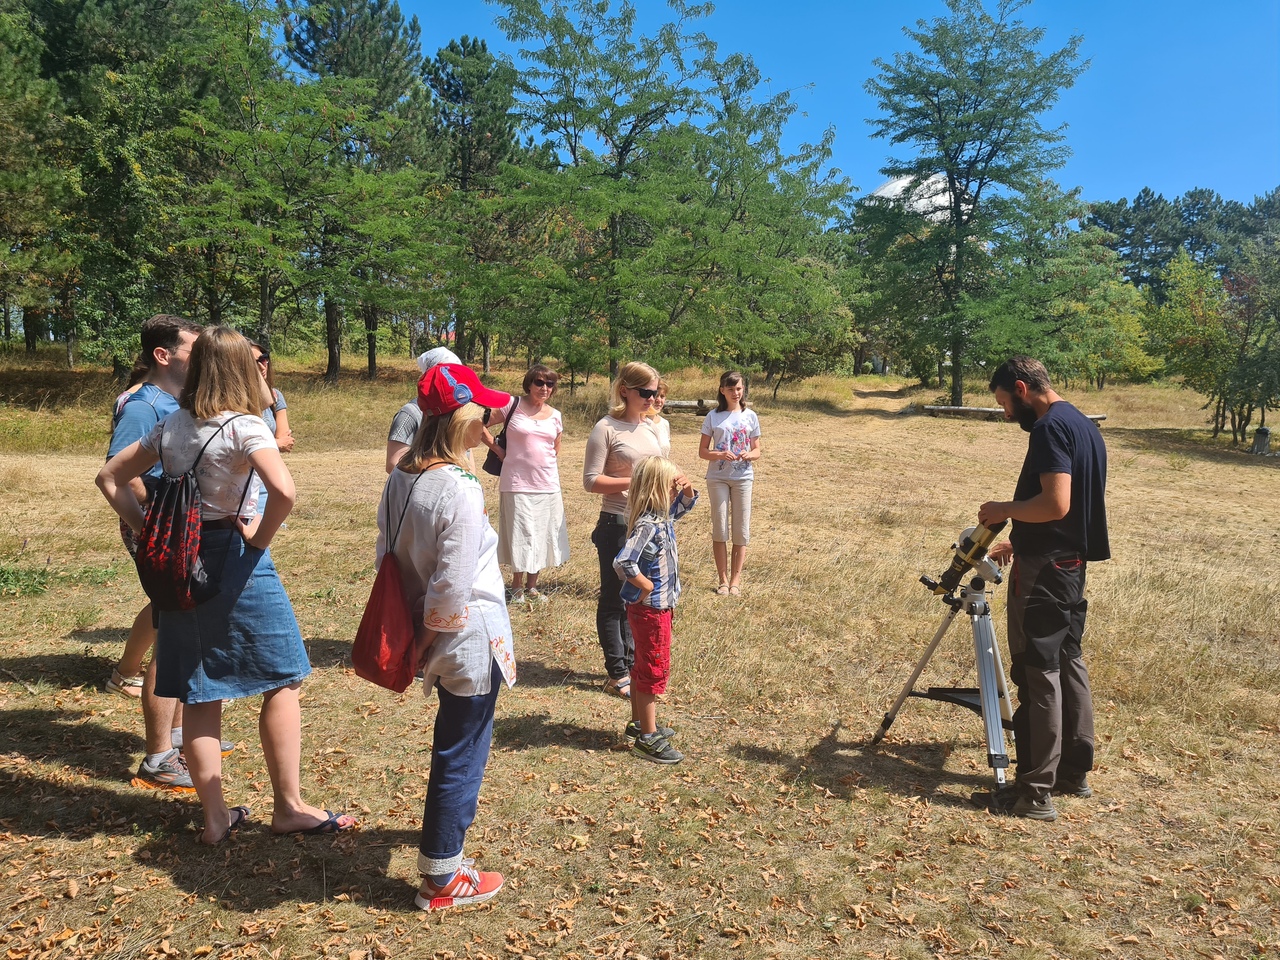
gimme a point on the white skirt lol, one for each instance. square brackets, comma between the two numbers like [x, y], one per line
[532, 534]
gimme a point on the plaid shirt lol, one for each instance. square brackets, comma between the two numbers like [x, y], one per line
[651, 550]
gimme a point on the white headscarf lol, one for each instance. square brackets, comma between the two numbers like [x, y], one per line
[436, 355]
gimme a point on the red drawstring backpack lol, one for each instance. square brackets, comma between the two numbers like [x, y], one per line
[383, 651]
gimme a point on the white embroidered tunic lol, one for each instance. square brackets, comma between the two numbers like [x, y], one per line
[449, 562]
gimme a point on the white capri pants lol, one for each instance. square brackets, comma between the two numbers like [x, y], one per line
[730, 502]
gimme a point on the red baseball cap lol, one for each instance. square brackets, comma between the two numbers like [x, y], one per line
[449, 386]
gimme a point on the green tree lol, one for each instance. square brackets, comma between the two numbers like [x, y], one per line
[970, 104]
[1145, 234]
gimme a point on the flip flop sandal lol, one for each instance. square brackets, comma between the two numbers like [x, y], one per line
[239, 817]
[735, 591]
[620, 687]
[331, 825]
[722, 590]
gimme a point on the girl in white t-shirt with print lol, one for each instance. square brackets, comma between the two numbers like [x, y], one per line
[731, 441]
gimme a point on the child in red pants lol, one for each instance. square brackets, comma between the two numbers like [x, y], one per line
[659, 495]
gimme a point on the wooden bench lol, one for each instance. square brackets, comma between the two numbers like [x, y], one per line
[693, 406]
[982, 413]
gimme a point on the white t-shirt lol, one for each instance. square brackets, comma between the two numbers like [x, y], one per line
[731, 430]
[662, 428]
[224, 469]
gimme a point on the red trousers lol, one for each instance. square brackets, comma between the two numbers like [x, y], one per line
[652, 632]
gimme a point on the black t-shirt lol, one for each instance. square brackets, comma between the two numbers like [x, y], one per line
[1064, 440]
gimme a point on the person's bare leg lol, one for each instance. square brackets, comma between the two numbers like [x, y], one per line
[202, 748]
[141, 636]
[159, 714]
[644, 711]
[720, 551]
[735, 571]
[280, 727]
[531, 580]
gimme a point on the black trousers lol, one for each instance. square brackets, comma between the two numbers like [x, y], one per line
[611, 617]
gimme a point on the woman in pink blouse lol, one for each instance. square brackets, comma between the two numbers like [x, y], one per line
[532, 534]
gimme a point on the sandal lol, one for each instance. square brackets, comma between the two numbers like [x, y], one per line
[735, 591]
[620, 687]
[722, 590]
[130, 687]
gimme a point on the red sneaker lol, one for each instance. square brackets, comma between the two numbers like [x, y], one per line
[467, 886]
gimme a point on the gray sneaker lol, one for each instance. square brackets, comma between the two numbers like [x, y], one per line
[1073, 786]
[1015, 803]
[653, 746]
[169, 773]
[633, 732]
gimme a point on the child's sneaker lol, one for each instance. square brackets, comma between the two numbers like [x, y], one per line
[170, 773]
[633, 732]
[467, 886]
[655, 747]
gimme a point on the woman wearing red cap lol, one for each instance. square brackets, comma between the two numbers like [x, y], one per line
[432, 518]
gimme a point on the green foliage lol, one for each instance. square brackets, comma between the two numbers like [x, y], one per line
[969, 103]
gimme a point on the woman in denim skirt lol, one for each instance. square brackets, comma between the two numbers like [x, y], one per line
[244, 641]
[432, 520]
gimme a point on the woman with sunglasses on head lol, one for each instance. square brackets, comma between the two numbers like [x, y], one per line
[617, 443]
[532, 534]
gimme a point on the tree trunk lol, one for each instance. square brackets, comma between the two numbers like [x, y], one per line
[33, 324]
[486, 342]
[67, 314]
[333, 337]
[8, 326]
[371, 338]
[957, 372]
[265, 309]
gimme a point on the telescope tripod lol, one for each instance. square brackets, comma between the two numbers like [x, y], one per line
[990, 699]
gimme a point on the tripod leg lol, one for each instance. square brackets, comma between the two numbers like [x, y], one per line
[990, 687]
[915, 675]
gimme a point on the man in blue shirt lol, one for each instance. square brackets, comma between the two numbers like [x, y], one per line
[1059, 525]
[166, 349]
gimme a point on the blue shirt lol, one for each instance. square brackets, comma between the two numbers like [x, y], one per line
[651, 550]
[135, 418]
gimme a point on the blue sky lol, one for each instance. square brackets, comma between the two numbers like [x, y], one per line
[1180, 94]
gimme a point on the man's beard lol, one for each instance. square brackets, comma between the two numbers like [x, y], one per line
[1024, 413]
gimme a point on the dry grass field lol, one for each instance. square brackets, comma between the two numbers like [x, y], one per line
[784, 833]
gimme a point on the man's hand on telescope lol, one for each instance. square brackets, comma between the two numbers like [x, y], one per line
[993, 512]
[1001, 553]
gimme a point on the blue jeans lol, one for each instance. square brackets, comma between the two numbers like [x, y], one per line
[611, 616]
[464, 730]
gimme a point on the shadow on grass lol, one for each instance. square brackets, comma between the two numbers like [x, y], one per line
[532, 731]
[325, 652]
[841, 762]
[1181, 445]
[78, 803]
[64, 670]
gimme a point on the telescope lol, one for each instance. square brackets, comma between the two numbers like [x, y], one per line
[970, 551]
[990, 698]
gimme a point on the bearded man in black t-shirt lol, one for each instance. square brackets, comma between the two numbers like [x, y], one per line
[1059, 526]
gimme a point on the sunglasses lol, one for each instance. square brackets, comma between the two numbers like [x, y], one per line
[542, 383]
[646, 392]
[264, 359]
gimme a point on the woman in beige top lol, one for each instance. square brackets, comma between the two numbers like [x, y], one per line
[618, 442]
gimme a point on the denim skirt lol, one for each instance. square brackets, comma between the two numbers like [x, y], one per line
[243, 642]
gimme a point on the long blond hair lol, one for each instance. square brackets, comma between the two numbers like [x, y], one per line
[442, 438]
[633, 375]
[650, 490]
[221, 376]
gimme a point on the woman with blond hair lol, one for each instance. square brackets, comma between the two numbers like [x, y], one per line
[432, 519]
[245, 640]
[617, 443]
